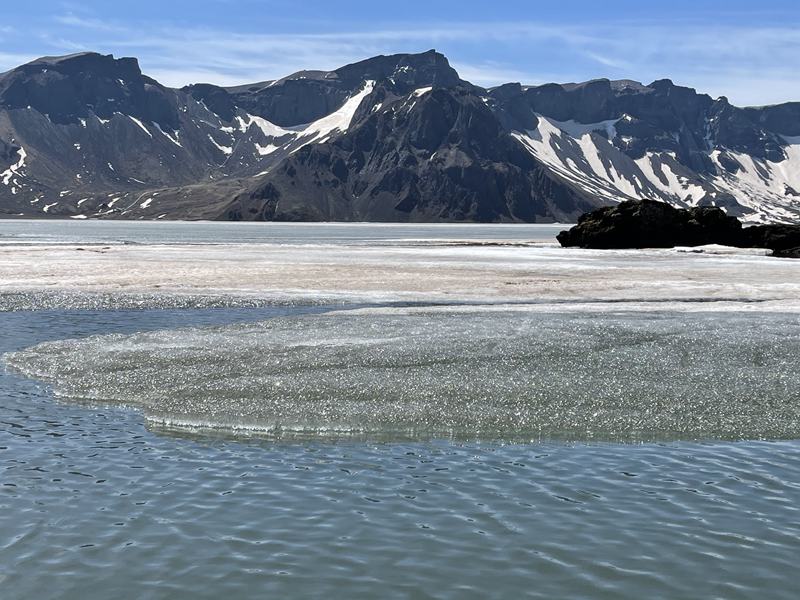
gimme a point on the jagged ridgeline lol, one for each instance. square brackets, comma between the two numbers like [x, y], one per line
[391, 138]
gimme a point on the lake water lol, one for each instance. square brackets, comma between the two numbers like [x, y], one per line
[613, 455]
[200, 232]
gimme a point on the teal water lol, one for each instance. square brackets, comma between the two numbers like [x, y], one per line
[93, 504]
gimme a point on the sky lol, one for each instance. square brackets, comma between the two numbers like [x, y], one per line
[747, 51]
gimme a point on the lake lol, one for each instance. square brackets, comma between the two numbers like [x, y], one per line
[396, 450]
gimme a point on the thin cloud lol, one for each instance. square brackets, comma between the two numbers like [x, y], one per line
[72, 20]
[11, 60]
[490, 74]
[718, 59]
[606, 61]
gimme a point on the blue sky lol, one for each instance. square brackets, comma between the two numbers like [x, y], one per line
[747, 51]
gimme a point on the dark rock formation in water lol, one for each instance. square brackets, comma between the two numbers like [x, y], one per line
[788, 253]
[781, 239]
[651, 224]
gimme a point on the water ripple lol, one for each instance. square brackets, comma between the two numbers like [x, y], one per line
[109, 508]
[426, 373]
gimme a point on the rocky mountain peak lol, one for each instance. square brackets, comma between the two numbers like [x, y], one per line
[81, 62]
[69, 88]
[395, 137]
[429, 68]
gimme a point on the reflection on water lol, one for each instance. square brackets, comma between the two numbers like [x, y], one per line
[93, 505]
[395, 373]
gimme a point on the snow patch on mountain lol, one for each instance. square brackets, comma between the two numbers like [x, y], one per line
[666, 174]
[140, 124]
[338, 120]
[227, 150]
[14, 169]
[770, 189]
[578, 153]
[581, 155]
[265, 150]
[578, 130]
[268, 129]
[174, 138]
[294, 138]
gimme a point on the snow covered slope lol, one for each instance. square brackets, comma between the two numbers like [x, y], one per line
[391, 138]
[592, 158]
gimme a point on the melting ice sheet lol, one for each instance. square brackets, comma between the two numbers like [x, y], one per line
[448, 371]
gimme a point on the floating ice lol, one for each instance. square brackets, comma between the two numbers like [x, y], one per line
[500, 373]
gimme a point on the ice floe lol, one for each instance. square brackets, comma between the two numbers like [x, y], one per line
[439, 372]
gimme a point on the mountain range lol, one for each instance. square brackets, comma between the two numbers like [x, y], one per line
[390, 138]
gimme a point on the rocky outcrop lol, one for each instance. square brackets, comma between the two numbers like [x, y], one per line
[651, 224]
[69, 88]
[788, 253]
[778, 238]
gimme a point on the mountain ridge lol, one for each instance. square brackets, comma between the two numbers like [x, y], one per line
[391, 138]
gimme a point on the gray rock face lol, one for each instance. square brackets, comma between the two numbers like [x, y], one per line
[82, 85]
[306, 96]
[390, 138]
[439, 156]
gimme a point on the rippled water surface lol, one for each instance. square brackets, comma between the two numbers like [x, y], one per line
[95, 505]
[427, 372]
